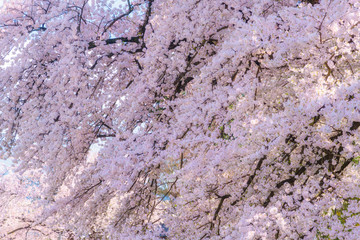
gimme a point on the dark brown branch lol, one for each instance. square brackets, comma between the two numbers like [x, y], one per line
[184, 134]
[81, 16]
[251, 178]
[93, 44]
[216, 214]
[18, 229]
[111, 23]
[355, 126]
[88, 190]
[136, 39]
[105, 135]
[146, 20]
[311, 1]
[175, 44]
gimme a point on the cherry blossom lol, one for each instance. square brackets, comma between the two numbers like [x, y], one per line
[191, 119]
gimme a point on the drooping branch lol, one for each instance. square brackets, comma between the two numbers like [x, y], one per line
[81, 19]
[112, 22]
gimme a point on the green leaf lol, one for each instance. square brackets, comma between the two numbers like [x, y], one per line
[356, 160]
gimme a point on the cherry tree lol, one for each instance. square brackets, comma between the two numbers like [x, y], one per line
[229, 119]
